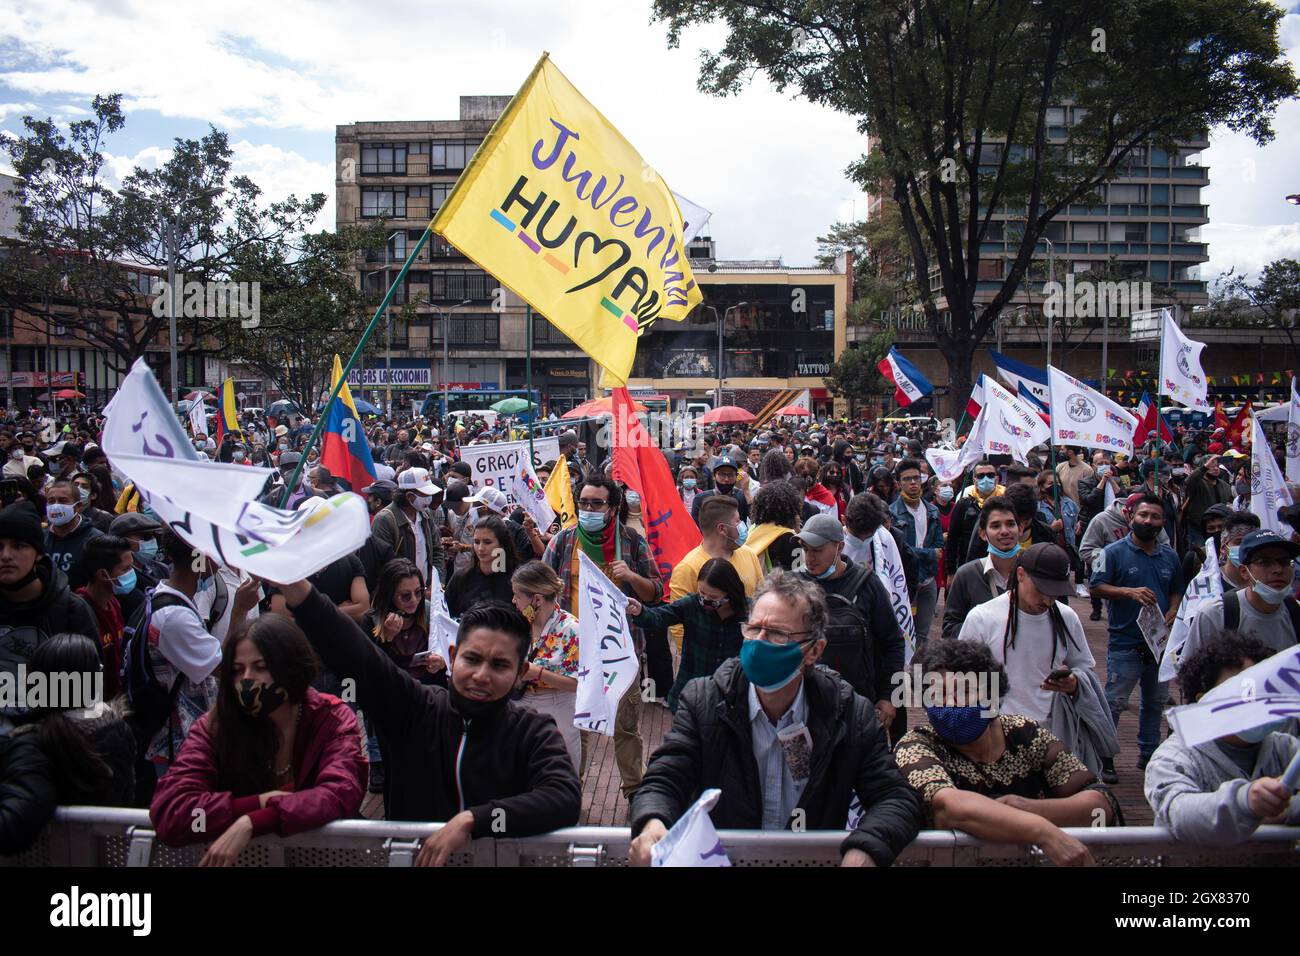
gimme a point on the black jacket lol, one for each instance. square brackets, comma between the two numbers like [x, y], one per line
[56, 611]
[26, 792]
[436, 763]
[392, 535]
[870, 667]
[966, 589]
[710, 745]
[962, 523]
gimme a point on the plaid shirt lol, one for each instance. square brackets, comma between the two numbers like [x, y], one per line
[636, 555]
[708, 640]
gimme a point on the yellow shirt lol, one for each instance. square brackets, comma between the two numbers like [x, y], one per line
[687, 574]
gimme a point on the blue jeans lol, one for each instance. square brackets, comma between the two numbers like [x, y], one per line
[1125, 670]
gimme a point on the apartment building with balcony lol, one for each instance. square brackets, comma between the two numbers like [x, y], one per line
[400, 173]
[778, 328]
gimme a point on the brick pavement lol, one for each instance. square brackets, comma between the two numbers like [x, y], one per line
[603, 803]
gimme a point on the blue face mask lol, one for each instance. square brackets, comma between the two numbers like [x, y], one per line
[591, 520]
[1274, 596]
[125, 583]
[1234, 554]
[742, 533]
[148, 549]
[1257, 735]
[958, 725]
[688, 483]
[770, 667]
[985, 485]
[999, 553]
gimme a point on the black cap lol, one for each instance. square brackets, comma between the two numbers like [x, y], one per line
[1265, 538]
[1049, 566]
[456, 491]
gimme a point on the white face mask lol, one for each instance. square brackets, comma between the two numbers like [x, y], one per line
[60, 515]
[421, 502]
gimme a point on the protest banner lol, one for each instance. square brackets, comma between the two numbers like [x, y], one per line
[607, 658]
[494, 465]
[692, 840]
[1268, 691]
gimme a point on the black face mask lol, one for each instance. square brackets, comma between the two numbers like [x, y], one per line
[724, 487]
[260, 700]
[1144, 532]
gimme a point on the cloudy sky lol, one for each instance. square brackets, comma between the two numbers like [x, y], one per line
[278, 76]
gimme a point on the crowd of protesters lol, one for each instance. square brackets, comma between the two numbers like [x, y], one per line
[273, 707]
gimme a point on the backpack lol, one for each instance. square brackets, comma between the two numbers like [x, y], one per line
[1232, 612]
[150, 703]
[848, 646]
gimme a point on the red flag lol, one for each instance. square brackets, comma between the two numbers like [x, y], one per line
[1148, 413]
[1238, 426]
[1220, 416]
[669, 529]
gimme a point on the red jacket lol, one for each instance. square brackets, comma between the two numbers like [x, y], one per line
[329, 784]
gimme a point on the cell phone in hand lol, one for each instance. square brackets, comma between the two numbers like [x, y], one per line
[421, 657]
[1061, 673]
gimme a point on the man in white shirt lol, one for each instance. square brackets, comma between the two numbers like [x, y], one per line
[1032, 635]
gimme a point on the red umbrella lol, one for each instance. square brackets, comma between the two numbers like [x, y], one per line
[596, 407]
[725, 413]
[792, 410]
[68, 393]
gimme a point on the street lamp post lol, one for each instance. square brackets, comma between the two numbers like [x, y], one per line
[444, 319]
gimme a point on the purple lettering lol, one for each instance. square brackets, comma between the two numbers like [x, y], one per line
[565, 133]
[626, 204]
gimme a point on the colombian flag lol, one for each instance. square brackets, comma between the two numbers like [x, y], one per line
[227, 416]
[344, 449]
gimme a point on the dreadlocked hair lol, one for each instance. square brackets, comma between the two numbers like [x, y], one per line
[1060, 633]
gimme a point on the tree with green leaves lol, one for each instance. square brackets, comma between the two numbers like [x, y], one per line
[953, 98]
[854, 375]
[82, 246]
[1271, 301]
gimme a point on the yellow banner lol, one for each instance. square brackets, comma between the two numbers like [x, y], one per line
[559, 494]
[560, 207]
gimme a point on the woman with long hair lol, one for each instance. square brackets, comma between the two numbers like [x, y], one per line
[550, 685]
[272, 756]
[710, 619]
[398, 621]
[90, 748]
[488, 577]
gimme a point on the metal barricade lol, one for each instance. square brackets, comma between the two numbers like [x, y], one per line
[103, 837]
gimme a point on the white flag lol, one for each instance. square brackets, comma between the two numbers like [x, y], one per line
[1205, 587]
[1293, 435]
[1268, 490]
[1011, 427]
[442, 626]
[212, 505]
[1083, 416]
[1181, 375]
[607, 659]
[888, 565]
[198, 419]
[1268, 691]
[531, 494]
[692, 840]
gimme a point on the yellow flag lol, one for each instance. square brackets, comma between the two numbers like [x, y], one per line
[559, 494]
[561, 208]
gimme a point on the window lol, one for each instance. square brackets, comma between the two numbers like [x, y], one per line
[378, 159]
[438, 193]
[440, 248]
[461, 285]
[995, 232]
[1056, 116]
[1160, 270]
[1086, 231]
[1054, 231]
[1127, 232]
[450, 154]
[418, 148]
[1186, 233]
[471, 330]
[1159, 232]
[1187, 194]
[385, 203]
[1081, 265]
[545, 334]
[1126, 193]
[990, 155]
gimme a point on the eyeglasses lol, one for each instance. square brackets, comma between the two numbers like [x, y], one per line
[908, 479]
[712, 602]
[774, 635]
[1269, 564]
[592, 504]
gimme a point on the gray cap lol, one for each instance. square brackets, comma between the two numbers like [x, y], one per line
[820, 529]
[289, 458]
[134, 523]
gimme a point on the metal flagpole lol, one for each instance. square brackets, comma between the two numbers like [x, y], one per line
[1160, 384]
[352, 360]
[528, 376]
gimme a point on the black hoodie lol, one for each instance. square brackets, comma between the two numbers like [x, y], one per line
[57, 610]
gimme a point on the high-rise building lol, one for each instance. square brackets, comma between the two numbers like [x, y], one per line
[401, 173]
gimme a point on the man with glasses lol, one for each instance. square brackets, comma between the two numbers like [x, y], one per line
[1263, 608]
[786, 741]
[918, 520]
[625, 558]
